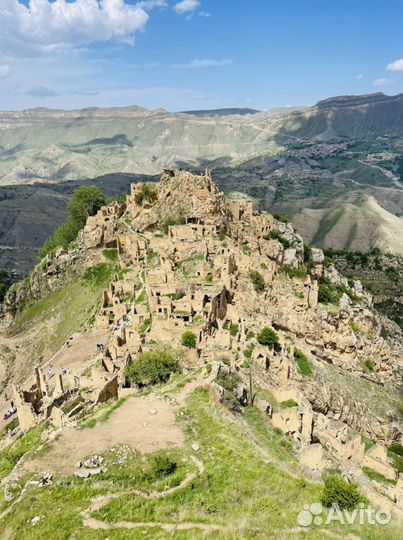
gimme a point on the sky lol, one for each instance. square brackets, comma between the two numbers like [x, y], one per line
[196, 54]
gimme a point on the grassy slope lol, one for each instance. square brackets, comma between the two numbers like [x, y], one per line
[240, 489]
[49, 322]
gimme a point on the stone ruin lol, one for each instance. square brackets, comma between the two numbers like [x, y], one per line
[185, 258]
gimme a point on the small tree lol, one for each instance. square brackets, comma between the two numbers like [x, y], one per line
[86, 201]
[257, 280]
[146, 193]
[267, 336]
[153, 367]
[189, 340]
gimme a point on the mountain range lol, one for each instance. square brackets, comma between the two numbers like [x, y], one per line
[335, 168]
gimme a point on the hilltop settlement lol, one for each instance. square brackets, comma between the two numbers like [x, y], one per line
[268, 321]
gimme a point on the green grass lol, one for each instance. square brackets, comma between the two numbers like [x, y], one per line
[145, 326]
[28, 442]
[288, 404]
[99, 275]
[59, 315]
[111, 254]
[304, 365]
[250, 496]
[378, 477]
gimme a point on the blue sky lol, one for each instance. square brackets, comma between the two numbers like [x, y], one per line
[186, 54]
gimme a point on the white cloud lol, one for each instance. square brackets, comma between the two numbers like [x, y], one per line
[41, 92]
[5, 71]
[206, 62]
[43, 26]
[382, 82]
[204, 14]
[397, 65]
[360, 76]
[186, 5]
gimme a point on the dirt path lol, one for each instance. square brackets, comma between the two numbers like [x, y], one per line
[103, 500]
[144, 423]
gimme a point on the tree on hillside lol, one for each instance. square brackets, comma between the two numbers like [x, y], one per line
[85, 202]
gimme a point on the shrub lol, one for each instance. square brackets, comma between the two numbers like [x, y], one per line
[209, 278]
[370, 364]
[248, 352]
[222, 233]
[304, 365]
[267, 336]
[229, 381]
[189, 340]
[339, 492]
[233, 330]
[328, 294]
[152, 367]
[396, 448]
[161, 466]
[146, 193]
[257, 280]
[293, 272]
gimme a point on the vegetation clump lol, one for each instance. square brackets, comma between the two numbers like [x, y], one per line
[275, 234]
[161, 465]
[331, 294]
[304, 365]
[153, 367]
[189, 340]
[339, 492]
[268, 337]
[293, 272]
[147, 193]
[229, 380]
[258, 281]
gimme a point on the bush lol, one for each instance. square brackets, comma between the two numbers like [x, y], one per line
[152, 367]
[233, 330]
[257, 280]
[328, 294]
[304, 365]
[189, 340]
[268, 337]
[161, 466]
[229, 381]
[146, 193]
[293, 272]
[370, 364]
[338, 492]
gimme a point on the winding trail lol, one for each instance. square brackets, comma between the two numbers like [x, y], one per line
[103, 500]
